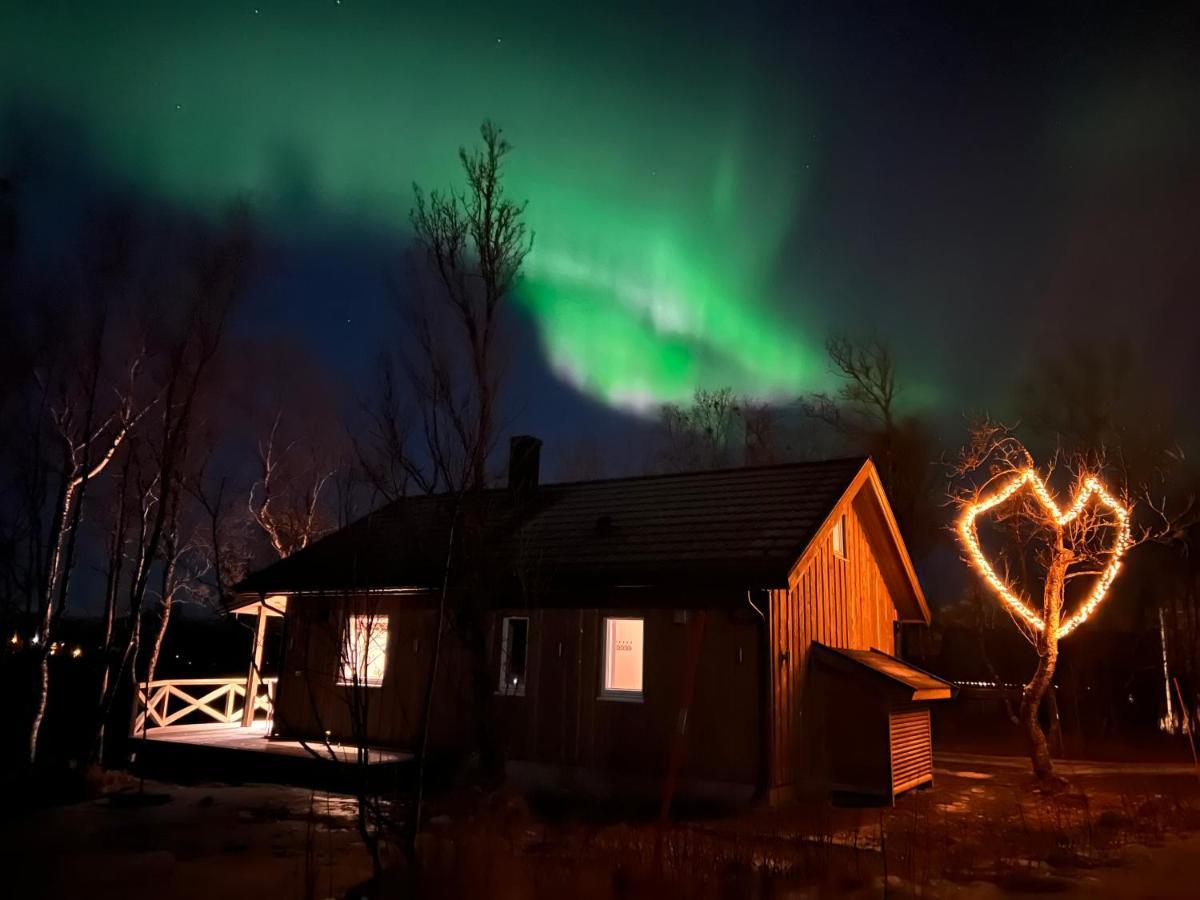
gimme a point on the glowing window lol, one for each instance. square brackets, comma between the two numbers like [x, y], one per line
[839, 537]
[623, 643]
[364, 651]
[514, 652]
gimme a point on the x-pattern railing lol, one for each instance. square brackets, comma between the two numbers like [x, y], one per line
[168, 701]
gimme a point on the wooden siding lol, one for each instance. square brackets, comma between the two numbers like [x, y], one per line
[309, 702]
[561, 720]
[840, 602]
[911, 749]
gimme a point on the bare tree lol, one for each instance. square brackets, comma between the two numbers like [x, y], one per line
[865, 413]
[475, 241]
[1086, 540]
[285, 500]
[1099, 394]
[702, 434]
[88, 440]
[206, 281]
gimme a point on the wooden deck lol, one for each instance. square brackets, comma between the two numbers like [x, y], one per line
[256, 739]
[196, 729]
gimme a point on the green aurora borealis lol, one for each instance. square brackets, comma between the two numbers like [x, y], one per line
[660, 194]
[713, 187]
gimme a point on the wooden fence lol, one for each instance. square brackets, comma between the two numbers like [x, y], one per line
[179, 701]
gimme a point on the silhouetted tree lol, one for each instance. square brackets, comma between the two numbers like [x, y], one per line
[866, 414]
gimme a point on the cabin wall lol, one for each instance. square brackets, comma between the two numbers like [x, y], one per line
[309, 702]
[562, 721]
[840, 602]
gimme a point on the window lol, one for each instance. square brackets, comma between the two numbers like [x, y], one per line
[514, 653]
[364, 651]
[623, 642]
[839, 537]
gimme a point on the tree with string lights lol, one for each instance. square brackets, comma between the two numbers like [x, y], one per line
[1087, 539]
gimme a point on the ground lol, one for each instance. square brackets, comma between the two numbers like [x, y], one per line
[207, 841]
[1119, 830]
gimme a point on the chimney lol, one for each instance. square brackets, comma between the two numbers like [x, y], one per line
[524, 453]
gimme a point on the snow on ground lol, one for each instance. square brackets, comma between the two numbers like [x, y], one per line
[207, 841]
[980, 832]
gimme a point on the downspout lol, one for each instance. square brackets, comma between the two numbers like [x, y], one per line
[765, 696]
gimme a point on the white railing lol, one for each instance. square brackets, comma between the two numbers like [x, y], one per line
[171, 700]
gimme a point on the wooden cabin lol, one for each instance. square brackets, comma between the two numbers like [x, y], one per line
[622, 624]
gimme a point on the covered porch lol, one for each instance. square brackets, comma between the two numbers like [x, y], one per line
[223, 725]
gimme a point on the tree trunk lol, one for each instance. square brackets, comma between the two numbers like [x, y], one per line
[1031, 701]
[59, 568]
[156, 649]
[116, 555]
[1047, 647]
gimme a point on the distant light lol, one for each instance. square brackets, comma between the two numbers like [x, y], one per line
[14, 640]
[77, 652]
[36, 639]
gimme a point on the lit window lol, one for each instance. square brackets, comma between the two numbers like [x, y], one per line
[839, 537]
[514, 651]
[364, 651]
[623, 641]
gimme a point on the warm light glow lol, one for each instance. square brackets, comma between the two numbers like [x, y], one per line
[364, 651]
[77, 652]
[1091, 488]
[623, 643]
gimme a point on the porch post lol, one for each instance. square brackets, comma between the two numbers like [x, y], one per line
[260, 628]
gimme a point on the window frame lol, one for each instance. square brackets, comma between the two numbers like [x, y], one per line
[837, 535]
[618, 694]
[376, 620]
[504, 688]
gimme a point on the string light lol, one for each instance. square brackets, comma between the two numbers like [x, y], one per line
[1091, 488]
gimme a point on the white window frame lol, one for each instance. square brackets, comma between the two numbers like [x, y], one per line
[346, 661]
[837, 536]
[610, 693]
[506, 687]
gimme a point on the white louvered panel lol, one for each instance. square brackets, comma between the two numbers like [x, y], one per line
[912, 749]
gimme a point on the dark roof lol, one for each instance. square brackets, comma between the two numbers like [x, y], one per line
[921, 684]
[748, 524]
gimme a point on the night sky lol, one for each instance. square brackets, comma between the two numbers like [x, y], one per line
[713, 187]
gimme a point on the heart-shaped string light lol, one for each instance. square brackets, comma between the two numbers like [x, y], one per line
[1091, 488]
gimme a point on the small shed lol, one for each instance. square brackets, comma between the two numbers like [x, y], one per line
[876, 714]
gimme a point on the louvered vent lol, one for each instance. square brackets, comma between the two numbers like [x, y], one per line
[912, 749]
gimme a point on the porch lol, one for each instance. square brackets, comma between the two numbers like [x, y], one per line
[222, 728]
[190, 729]
[256, 738]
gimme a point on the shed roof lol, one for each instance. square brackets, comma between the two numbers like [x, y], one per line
[921, 684]
[746, 525]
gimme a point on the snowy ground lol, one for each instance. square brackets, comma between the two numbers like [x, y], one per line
[1120, 831]
[210, 841]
